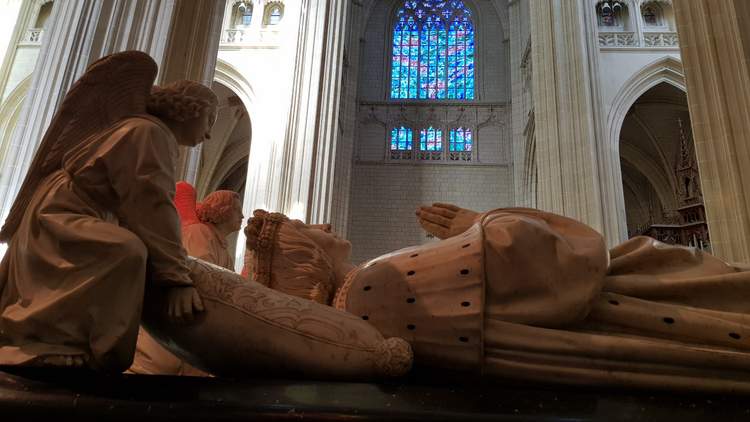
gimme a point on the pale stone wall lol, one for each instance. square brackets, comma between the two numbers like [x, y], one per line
[385, 194]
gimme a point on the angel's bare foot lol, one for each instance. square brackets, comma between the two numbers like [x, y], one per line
[445, 220]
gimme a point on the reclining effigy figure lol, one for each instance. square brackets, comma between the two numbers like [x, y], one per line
[94, 228]
[526, 294]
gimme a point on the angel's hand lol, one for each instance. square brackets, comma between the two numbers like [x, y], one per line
[445, 220]
[183, 303]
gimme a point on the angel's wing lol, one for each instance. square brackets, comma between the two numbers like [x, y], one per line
[112, 88]
[185, 202]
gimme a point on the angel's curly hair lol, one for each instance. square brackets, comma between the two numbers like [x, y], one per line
[181, 100]
[215, 208]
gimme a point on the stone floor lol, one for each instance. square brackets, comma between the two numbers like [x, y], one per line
[69, 395]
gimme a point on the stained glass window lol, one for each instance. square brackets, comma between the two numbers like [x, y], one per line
[401, 139]
[274, 16]
[247, 15]
[431, 139]
[433, 51]
[242, 13]
[460, 139]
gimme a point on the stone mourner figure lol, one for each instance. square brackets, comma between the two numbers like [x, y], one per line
[216, 217]
[94, 228]
[526, 294]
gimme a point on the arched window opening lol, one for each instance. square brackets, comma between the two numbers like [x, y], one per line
[274, 13]
[433, 51]
[431, 139]
[657, 15]
[460, 139]
[651, 15]
[661, 180]
[242, 13]
[611, 14]
[44, 12]
[401, 139]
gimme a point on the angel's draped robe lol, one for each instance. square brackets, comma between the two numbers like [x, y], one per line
[73, 278]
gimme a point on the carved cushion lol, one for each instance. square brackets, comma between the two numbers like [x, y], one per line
[248, 329]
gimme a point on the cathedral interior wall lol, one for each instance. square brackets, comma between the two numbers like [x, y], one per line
[385, 194]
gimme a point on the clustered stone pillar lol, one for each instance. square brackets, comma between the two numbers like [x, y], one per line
[310, 145]
[181, 35]
[715, 49]
[563, 108]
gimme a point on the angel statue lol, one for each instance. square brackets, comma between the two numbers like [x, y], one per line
[95, 204]
[527, 294]
[206, 224]
[94, 239]
[205, 227]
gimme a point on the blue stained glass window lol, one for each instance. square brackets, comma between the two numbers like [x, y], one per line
[460, 139]
[401, 139]
[431, 139]
[247, 15]
[433, 51]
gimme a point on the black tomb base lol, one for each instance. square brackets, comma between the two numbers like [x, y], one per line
[62, 395]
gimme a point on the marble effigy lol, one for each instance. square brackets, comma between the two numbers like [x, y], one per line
[526, 294]
[248, 329]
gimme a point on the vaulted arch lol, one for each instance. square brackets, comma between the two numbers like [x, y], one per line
[9, 112]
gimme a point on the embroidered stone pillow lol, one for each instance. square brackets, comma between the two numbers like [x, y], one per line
[248, 329]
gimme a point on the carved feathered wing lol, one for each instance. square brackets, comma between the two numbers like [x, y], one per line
[112, 88]
[186, 204]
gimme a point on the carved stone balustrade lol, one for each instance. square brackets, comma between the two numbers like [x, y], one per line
[660, 39]
[632, 40]
[233, 36]
[618, 39]
[33, 36]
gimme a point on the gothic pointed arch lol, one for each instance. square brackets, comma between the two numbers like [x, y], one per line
[667, 69]
[233, 131]
[9, 112]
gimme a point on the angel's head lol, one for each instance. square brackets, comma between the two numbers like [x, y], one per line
[223, 210]
[187, 107]
[295, 258]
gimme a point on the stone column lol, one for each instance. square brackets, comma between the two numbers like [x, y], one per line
[715, 49]
[182, 35]
[564, 117]
[192, 36]
[312, 136]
